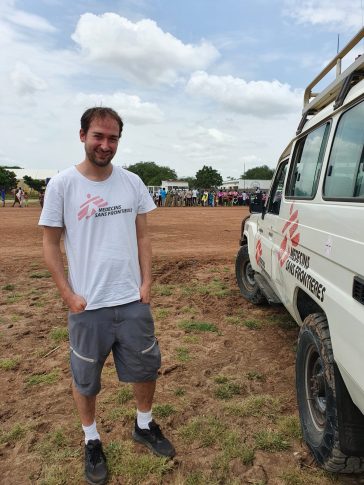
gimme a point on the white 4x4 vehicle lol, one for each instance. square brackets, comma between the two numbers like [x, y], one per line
[305, 249]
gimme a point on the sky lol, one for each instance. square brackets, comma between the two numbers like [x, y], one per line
[197, 82]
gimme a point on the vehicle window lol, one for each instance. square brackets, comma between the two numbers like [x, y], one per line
[275, 197]
[345, 173]
[307, 163]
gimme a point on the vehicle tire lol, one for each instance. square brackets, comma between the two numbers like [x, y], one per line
[316, 397]
[245, 278]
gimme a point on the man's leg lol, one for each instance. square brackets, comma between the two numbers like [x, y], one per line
[86, 406]
[144, 393]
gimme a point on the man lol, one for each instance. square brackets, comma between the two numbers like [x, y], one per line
[102, 211]
[3, 195]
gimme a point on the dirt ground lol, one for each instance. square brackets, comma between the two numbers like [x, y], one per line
[226, 392]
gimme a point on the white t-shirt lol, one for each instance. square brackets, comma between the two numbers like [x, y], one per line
[100, 232]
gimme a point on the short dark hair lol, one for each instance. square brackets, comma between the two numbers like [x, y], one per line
[100, 112]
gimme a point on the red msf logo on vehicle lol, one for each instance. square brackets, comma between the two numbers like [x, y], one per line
[291, 236]
[258, 251]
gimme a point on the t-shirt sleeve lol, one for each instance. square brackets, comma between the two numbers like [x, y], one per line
[52, 213]
[146, 203]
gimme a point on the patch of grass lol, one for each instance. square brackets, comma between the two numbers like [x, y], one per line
[179, 392]
[252, 324]
[189, 309]
[14, 298]
[16, 433]
[9, 287]
[215, 287]
[255, 376]
[293, 476]
[183, 354]
[58, 475]
[269, 440]
[199, 478]
[191, 339]
[59, 334]
[54, 447]
[254, 405]
[163, 410]
[163, 290]
[232, 447]
[40, 274]
[227, 390]
[124, 395]
[8, 364]
[284, 321]
[40, 379]
[160, 313]
[221, 379]
[121, 413]
[206, 431]
[290, 426]
[196, 326]
[14, 318]
[135, 468]
[233, 320]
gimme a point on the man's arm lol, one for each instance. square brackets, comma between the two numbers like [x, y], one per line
[145, 256]
[54, 261]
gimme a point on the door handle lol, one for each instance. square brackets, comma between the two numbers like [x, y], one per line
[270, 234]
[260, 230]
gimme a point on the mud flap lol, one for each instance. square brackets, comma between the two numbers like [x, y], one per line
[350, 419]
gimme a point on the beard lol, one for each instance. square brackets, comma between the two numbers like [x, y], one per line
[96, 159]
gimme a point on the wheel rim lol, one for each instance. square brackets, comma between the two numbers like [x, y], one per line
[248, 276]
[315, 388]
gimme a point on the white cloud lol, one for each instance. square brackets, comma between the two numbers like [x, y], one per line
[31, 21]
[331, 13]
[25, 81]
[258, 98]
[130, 108]
[140, 50]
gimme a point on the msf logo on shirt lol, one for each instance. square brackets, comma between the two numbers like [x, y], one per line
[90, 207]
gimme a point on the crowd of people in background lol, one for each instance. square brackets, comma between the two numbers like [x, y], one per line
[204, 198]
[21, 197]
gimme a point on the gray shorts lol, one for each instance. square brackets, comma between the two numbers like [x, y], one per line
[127, 331]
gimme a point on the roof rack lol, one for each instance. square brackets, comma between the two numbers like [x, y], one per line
[338, 89]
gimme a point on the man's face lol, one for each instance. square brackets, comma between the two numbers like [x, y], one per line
[101, 140]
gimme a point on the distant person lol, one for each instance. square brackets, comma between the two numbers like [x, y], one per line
[41, 198]
[163, 195]
[17, 197]
[102, 211]
[3, 195]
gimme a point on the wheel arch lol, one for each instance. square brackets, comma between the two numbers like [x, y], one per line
[306, 305]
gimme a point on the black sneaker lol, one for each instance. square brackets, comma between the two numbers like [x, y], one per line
[153, 438]
[95, 463]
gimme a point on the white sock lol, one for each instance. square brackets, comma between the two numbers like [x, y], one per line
[143, 419]
[90, 432]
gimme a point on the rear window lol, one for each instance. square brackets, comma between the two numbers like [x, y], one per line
[345, 172]
[306, 169]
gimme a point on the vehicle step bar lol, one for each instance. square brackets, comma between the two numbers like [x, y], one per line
[266, 289]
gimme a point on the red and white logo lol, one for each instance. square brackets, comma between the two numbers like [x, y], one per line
[291, 236]
[90, 207]
[258, 251]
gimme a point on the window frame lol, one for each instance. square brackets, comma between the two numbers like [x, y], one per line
[284, 162]
[340, 199]
[297, 148]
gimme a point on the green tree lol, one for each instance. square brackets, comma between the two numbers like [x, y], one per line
[35, 184]
[262, 172]
[208, 177]
[192, 183]
[151, 173]
[7, 179]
